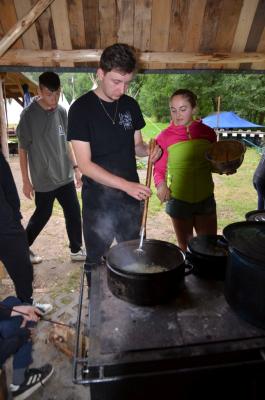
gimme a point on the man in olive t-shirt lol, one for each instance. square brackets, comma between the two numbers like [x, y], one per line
[43, 148]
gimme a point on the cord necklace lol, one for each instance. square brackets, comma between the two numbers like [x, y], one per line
[113, 120]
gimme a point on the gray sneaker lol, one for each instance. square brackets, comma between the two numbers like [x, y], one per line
[34, 258]
[79, 256]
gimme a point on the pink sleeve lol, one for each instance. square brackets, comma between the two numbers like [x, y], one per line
[160, 166]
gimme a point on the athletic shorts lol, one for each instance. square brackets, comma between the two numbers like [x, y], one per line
[184, 210]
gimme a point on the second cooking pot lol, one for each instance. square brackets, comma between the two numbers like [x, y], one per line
[255, 215]
[208, 255]
[152, 277]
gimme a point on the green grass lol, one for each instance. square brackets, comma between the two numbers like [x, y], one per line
[235, 194]
[152, 129]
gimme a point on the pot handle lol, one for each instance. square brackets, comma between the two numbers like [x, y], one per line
[188, 267]
[223, 242]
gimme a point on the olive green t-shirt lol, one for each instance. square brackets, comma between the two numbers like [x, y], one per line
[42, 133]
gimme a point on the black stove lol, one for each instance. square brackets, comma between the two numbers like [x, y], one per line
[194, 345]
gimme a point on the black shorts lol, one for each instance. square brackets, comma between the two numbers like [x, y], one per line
[184, 210]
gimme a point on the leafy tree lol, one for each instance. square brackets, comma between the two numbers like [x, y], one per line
[241, 93]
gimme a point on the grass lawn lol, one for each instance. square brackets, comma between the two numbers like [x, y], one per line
[234, 194]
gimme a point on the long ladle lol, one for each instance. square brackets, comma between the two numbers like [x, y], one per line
[140, 250]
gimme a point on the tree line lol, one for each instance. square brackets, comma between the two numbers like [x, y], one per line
[241, 93]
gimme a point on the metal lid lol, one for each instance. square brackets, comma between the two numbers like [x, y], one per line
[248, 238]
[256, 215]
[208, 245]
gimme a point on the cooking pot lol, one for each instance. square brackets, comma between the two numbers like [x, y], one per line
[256, 215]
[208, 255]
[151, 277]
[245, 275]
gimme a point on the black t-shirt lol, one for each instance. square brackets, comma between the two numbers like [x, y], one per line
[112, 145]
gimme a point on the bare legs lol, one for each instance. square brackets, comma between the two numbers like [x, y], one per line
[203, 225]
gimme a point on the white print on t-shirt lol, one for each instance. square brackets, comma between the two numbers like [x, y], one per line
[61, 130]
[125, 120]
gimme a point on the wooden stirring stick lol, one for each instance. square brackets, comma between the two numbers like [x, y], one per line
[152, 144]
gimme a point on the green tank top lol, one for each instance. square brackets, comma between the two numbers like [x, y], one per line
[189, 173]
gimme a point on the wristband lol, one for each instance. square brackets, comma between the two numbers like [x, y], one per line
[75, 166]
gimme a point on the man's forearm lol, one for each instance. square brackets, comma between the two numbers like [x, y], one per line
[141, 149]
[23, 160]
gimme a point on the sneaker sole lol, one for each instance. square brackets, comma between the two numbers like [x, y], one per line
[33, 389]
[73, 259]
[36, 262]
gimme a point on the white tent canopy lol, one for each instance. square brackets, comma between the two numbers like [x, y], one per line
[14, 110]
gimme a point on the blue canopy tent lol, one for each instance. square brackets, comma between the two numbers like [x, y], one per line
[228, 120]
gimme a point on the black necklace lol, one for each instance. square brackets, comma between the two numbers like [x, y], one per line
[113, 120]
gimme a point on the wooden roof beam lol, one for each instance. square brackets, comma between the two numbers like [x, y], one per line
[22, 25]
[19, 57]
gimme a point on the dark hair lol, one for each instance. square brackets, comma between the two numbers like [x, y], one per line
[50, 80]
[188, 95]
[119, 56]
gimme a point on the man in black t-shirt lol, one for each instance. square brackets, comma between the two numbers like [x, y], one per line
[259, 182]
[104, 127]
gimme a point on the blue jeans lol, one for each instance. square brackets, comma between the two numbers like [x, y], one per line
[9, 328]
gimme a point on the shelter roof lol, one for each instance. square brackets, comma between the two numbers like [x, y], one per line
[13, 82]
[169, 34]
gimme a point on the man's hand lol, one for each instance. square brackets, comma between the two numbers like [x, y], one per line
[137, 190]
[156, 154]
[163, 192]
[29, 313]
[28, 190]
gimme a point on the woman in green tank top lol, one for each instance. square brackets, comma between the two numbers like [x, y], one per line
[182, 175]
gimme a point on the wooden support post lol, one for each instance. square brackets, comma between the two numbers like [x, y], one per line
[3, 124]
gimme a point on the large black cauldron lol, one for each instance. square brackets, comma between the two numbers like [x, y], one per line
[145, 288]
[245, 275]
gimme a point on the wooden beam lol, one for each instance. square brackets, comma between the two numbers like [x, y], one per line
[30, 37]
[22, 25]
[61, 26]
[18, 57]
[3, 122]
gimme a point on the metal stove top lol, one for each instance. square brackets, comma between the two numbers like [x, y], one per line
[198, 321]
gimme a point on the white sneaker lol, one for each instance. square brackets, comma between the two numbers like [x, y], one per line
[79, 256]
[34, 258]
[45, 308]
